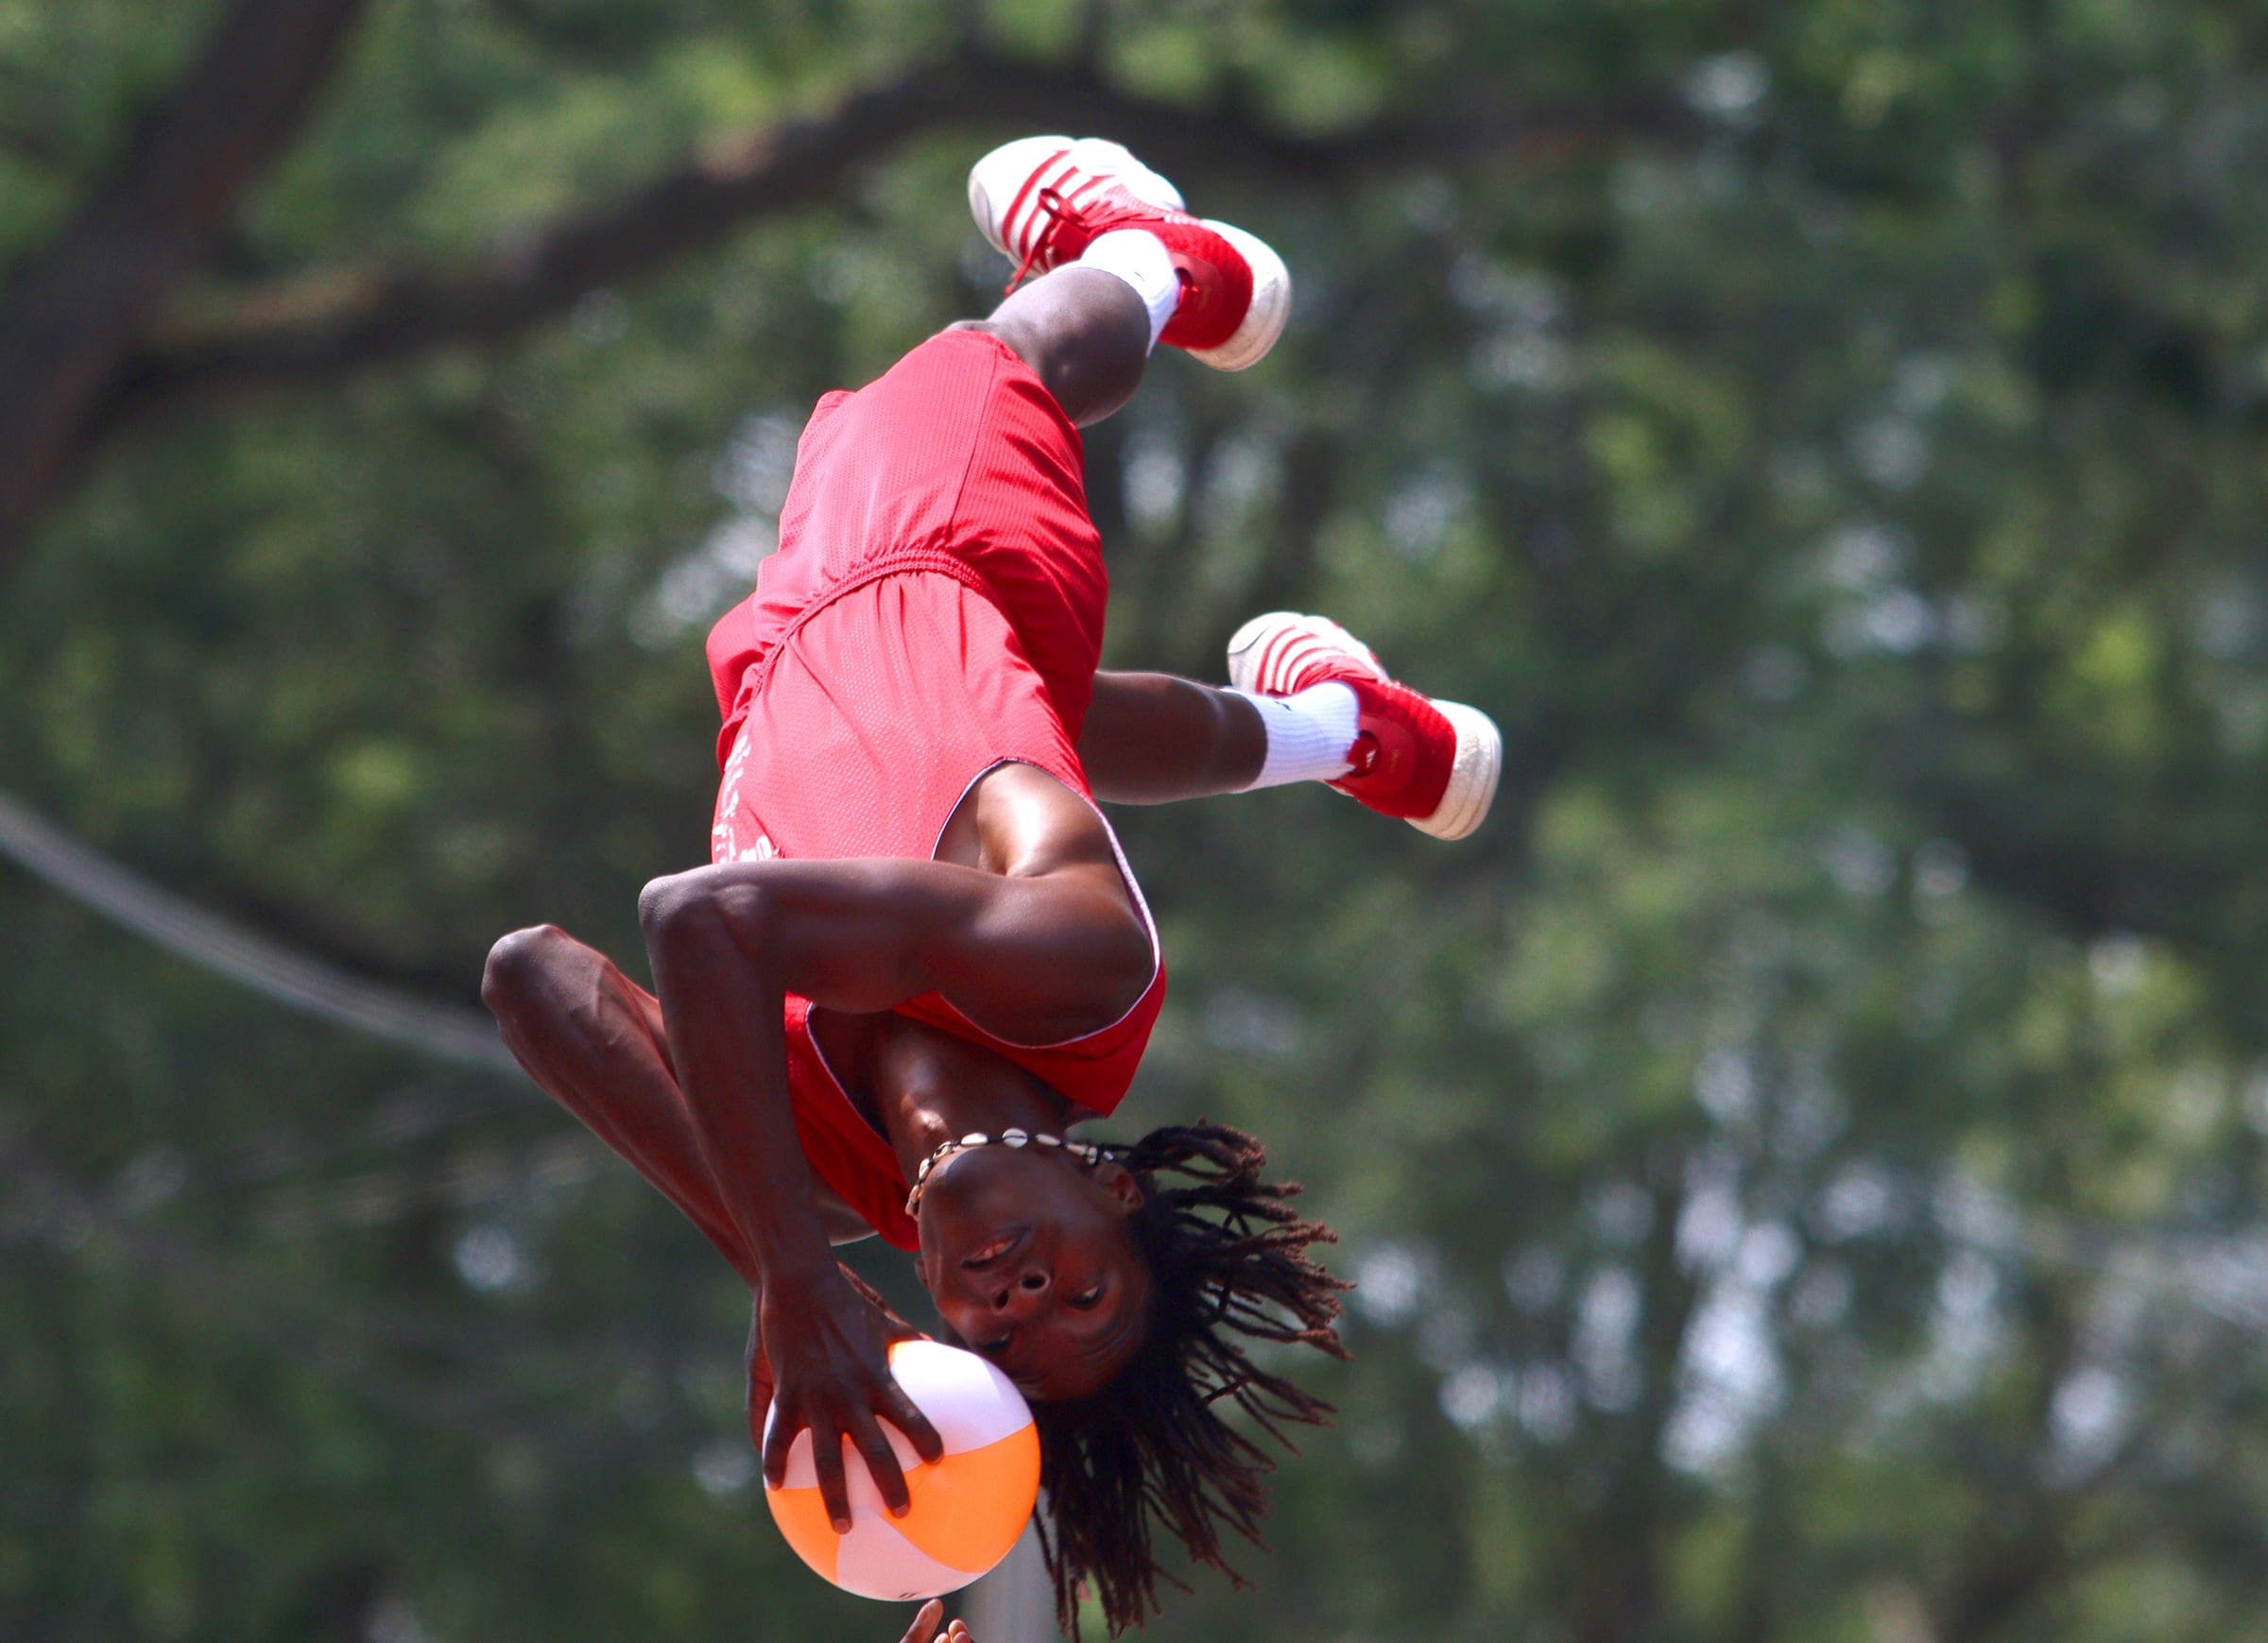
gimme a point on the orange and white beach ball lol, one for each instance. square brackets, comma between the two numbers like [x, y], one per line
[968, 1507]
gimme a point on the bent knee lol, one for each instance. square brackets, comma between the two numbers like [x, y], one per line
[519, 961]
[689, 908]
[664, 903]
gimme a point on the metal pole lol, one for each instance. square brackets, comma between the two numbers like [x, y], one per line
[1016, 1602]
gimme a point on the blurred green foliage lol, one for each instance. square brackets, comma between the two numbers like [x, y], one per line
[1803, 1160]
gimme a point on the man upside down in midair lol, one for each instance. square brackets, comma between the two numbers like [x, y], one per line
[918, 958]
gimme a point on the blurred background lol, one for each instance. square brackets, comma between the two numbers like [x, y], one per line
[1803, 1161]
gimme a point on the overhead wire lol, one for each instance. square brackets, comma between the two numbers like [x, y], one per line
[448, 1032]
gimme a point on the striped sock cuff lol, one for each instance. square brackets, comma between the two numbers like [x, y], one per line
[1309, 734]
[1138, 257]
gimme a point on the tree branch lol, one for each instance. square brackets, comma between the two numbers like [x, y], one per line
[333, 321]
[76, 311]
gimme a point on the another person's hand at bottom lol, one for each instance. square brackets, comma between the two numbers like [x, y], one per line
[924, 1629]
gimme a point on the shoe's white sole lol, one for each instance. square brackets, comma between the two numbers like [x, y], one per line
[1269, 311]
[1265, 651]
[1471, 779]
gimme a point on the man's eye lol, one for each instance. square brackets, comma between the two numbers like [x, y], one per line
[1085, 1299]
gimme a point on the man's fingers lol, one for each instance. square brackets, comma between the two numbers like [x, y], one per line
[775, 1447]
[882, 1462]
[928, 1616]
[959, 1633]
[827, 1461]
[907, 1417]
[759, 1405]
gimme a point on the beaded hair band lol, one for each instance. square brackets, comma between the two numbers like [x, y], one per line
[1008, 1138]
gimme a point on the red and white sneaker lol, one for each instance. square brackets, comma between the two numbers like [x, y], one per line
[1433, 764]
[1041, 199]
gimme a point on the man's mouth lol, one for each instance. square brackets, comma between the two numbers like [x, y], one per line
[994, 1250]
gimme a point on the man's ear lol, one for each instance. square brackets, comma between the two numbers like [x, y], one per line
[1119, 1183]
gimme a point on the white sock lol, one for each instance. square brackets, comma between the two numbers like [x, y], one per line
[1309, 734]
[1138, 257]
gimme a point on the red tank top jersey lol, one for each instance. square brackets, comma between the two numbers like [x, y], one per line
[934, 609]
[843, 1150]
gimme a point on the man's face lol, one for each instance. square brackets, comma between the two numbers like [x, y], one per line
[1028, 1254]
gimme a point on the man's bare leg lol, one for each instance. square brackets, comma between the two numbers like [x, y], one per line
[593, 1039]
[1155, 739]
[1085, 335]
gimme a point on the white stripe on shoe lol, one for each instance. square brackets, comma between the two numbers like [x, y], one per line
[1268, 654]
[1029, 215]
[1001, 181]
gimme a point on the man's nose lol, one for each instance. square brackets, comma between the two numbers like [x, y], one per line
[1024, 1294]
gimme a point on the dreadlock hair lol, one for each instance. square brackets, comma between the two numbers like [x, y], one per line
[1227, 1258]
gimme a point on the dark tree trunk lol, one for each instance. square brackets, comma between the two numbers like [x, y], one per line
[84, 304]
